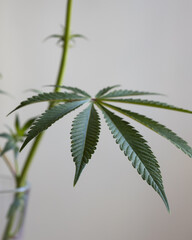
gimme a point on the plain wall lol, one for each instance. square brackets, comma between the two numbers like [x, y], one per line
[140, 44]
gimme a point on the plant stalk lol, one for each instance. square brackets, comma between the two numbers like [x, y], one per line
[21, 180]
[60, 77]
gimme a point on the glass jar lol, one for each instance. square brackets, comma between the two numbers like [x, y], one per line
[13, 205]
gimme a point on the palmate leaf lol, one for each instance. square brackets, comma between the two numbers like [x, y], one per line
[148, 103]
[15, 136]
[136, 149]
[61, 38]
[44, 97]
[127, 93]
[156, 127]
[20, 131]
[86, 128]
[49, 117]
[105, 90]
[84, 138]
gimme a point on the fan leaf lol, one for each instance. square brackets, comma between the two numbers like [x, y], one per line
[84, 134]
[156, 127]
[148, 103]
[127, 93]
[49, 117]
[105, 90]
[136, 149]
[52, 96]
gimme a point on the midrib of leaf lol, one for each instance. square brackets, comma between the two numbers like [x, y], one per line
[143, 160]
[82, 163]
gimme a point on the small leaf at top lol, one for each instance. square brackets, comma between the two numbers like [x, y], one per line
[105, 90]
[49, 117]
[61, 38]
[84, 135]
[74, 36]
[138, 152]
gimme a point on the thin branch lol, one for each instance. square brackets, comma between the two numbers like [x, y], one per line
[9, 165]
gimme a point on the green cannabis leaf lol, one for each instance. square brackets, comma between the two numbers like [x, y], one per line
[86, 128]
[15, 137]
[84, 136]
[61, 38]
[136, 149]
[49, 117]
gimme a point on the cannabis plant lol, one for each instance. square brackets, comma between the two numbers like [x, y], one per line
[85, 129]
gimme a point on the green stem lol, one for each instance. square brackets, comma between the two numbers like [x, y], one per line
[9, 165]
[23, 176]
[66, 45]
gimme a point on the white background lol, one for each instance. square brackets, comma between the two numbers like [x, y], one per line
[139, 44]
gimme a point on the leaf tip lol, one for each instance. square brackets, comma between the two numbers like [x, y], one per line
[164, 198]
[23, 145]
[77, 174]
[12, 111]
[75, 180]
[168, 208]
[74, 183]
